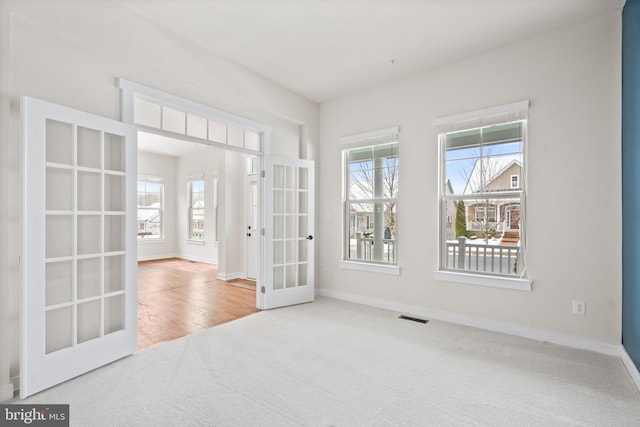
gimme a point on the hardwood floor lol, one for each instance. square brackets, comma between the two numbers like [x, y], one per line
[177, 297]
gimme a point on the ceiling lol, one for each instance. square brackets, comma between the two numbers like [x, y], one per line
[324, 49]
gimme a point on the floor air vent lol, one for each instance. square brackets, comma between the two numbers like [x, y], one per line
[413, 319]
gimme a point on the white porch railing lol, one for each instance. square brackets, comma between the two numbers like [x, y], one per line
[364, 249]
[481, 257]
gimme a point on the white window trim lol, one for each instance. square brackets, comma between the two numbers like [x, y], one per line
[480, 118]
[375, 137]
[517, 177]
[482, 114]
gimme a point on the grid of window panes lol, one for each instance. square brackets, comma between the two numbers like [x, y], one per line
[371, 181]
[196, 210]
[84, 234]
[482, 189]
[159, 116]
[150, 209]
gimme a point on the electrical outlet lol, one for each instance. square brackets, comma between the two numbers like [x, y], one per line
[579, 307]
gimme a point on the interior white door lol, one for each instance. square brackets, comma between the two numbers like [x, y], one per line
[289, 239]
[79, 244]
[252, 232]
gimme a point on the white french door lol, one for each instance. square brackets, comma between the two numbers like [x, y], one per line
[79, 244]
[289, 238]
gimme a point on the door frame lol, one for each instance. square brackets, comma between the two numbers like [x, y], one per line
[129, 91]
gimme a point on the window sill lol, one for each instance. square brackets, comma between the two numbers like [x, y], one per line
[195, 242]
[374, 268]
[491, 281]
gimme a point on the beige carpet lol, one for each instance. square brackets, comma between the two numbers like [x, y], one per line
[333, 363]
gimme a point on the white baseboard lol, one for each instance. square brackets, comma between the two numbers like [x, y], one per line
[230, 276]
[155, 257]
[6, 392]
[198, 259]
[631, 367]
[476, 322]
[181, 256]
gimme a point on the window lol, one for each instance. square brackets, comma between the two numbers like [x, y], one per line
[482, 160]
[481, 213]
[196, 209]
[370, 197]
[150, 209]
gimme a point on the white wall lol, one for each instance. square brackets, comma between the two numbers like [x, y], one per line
[572, 78]
[71, 52]
[159, 166]
[233, 217]
[208, 163]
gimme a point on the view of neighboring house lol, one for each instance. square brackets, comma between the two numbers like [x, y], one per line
[494, 217]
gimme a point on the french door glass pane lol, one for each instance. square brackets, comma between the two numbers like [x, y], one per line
[59, 137]
[302, 274]
[88, 148]
[58, 287]
[114, 192]
[114, 159]
[278, 277]
[278, 253]
[114, 238]
[59, 236]
[113, 314]
[89, 191]
[89, 231]
[89, 316]
[88, 277]
[113, 273]
[58, 329]
[59, 189]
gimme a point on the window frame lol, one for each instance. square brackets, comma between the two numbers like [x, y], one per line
[484, 118]
[484, 210]
[159, 181]
[373, 139]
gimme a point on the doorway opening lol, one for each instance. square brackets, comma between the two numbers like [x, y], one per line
[198, 239]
